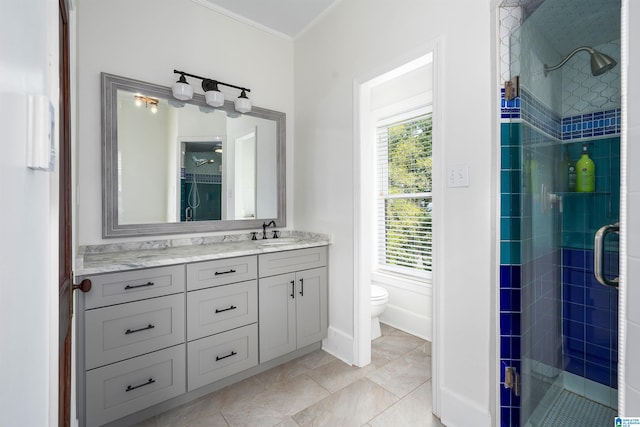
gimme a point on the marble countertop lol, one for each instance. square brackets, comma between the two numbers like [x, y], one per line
[134, 255]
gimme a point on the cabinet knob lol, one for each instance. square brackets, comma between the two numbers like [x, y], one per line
[84, 286]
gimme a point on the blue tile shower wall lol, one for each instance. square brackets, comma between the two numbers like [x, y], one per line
[589, 318]
[510, 267]
[589, 311]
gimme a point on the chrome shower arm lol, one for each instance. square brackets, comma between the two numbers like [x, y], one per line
[600, 63]
[568, 57]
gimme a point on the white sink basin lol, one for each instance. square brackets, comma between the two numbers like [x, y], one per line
[278, 241]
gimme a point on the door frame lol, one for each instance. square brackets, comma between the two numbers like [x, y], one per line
[65, 288]
[362, 164]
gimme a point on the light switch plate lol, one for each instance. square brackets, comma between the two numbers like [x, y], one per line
[458, 175]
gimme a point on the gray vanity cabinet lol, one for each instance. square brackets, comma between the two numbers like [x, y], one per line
[293, 305]
[154, 338]
[222, 312]
[131, 351]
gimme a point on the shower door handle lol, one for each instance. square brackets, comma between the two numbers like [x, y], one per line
[598, 258]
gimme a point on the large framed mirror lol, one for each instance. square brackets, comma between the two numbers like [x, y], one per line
[171, 166]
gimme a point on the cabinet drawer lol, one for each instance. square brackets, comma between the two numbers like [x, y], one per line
[290, 261]
[121, 331]
[218, 356]
[221, 272]
[214, 310]
[116, 288]
[124, 388]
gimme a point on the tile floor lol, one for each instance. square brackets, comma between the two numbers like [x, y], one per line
[320, 390]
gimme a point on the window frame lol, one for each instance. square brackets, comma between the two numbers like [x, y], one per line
[388, 118]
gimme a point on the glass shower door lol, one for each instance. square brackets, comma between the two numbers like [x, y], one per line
[568, 321]
[541, 341]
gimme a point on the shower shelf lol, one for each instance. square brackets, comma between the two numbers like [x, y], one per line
[576, 193]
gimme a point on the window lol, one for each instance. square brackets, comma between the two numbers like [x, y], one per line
[403, 157]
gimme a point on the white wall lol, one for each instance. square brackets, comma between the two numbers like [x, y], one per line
[28, 220]
[144, 150]
[147, 41]
[632, 319]
[358, 40]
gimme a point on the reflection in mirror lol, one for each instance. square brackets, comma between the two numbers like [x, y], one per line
[171, 166]
[201, 181]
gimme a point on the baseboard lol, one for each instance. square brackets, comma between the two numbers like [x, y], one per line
[339, 344]
[458, 411]
[408, 321]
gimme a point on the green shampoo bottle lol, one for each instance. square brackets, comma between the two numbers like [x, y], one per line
[585, 173]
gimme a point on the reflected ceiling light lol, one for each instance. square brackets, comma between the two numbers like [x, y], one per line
[151, 103]
[212, 95]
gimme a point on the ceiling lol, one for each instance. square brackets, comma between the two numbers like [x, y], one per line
[568, 24]
[288, 17]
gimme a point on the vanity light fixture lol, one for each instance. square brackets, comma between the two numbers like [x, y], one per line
[183, 91]
[243, 103]
[151, 103]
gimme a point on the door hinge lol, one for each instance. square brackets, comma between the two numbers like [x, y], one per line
[512, 379]
[512, 88]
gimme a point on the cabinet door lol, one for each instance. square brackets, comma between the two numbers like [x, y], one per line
[277, 314]
[311, 306]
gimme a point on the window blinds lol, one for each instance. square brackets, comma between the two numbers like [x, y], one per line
[404, 232]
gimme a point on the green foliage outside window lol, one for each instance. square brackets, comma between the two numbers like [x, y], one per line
[408, 234]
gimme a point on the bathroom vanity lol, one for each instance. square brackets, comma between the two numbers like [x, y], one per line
[163, 326]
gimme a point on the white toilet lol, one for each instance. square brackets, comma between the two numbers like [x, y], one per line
[379, 299]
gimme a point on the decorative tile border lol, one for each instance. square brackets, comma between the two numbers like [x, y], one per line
[541, 117]
[603, 123]
[509, 109]
[203, 178]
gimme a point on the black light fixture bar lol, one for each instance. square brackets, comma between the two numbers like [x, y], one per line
[205, 81]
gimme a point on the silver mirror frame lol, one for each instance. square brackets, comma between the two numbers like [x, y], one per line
[110, 85]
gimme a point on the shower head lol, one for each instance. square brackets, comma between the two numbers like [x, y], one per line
[600, 63]
[200, 162]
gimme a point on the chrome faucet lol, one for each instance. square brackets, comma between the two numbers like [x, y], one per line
[264, 228]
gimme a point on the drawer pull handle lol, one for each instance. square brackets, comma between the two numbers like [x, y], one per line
[233, 307]
[218, 358]
[138, 286]
[130, 388]
[225, 272]
[133, 331]
[293, 289]
[301, 287]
